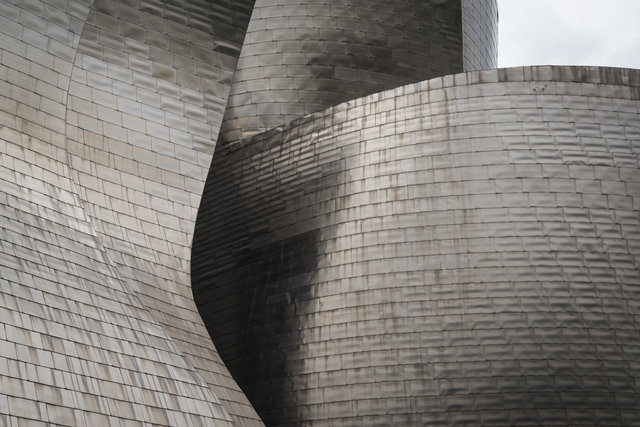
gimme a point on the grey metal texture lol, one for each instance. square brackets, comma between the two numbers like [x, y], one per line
[479, 34]
[460, 251]
[147, 92]
[108, 116]
[302, 56]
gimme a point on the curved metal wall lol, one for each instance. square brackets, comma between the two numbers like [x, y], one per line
[479, 34]
[147, 92]
[300, 57]
[464, 250]
[108, 115]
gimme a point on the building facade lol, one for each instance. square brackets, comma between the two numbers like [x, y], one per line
[109, 115]
[460, 251]
[387, 231]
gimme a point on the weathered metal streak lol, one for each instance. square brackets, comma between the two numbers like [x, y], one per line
[464, 250]
[300, 57]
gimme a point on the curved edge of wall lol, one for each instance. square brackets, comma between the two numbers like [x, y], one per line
[299, 58]
[460, 249]
[98, 324]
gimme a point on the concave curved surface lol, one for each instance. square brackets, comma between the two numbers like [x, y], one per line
[108, 115]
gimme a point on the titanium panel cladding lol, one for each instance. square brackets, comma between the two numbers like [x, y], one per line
[108, 117]
[147, 91]
[462, 251]
[300, 57]
[480, 34]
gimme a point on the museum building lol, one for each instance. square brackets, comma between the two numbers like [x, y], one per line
[321, 212]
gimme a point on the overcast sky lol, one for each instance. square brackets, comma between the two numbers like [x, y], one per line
[569, 32]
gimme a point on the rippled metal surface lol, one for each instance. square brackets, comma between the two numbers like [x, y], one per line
[462, 251]
[479, 34]
[300, 57]
[148, 88]
[109, 111]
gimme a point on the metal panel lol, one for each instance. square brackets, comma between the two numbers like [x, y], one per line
[103, 119]
[300, 57]
[476, 265]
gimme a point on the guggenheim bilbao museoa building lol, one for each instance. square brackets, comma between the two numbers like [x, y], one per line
[310, 212]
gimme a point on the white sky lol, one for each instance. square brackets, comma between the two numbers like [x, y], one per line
[569, 32]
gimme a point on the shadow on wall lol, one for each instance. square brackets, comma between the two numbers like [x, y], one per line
[252, 272]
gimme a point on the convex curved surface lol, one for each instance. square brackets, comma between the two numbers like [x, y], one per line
[303, 56]
[464, 250]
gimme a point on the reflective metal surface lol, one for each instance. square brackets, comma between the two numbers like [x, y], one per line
[108, 115]
[461, 251]
[300, 57]
[479, 34]
[147, 92]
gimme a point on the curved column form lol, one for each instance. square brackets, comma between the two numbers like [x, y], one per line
[104, 148]
[300, 57]
[465, 250]
[479, 34]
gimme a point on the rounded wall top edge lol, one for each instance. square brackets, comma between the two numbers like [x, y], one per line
[528, 73]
